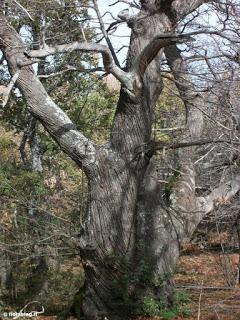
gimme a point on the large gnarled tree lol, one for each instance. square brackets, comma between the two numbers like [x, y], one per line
[130, 242]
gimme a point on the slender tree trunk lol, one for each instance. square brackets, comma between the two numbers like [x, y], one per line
[36, 161]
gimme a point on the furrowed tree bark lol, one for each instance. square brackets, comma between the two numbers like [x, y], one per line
[131, 234]
[144, 236]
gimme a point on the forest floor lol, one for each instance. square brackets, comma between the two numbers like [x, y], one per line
[208, 279]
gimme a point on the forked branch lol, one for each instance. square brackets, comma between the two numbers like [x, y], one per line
[128, 79]
[151, 50]
[108, 62]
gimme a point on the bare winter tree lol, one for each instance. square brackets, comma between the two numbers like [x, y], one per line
[131, 237]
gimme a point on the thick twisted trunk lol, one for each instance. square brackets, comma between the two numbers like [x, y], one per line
[124, 262]
[134, 232]
[109, 235]
[133, 241]
[115, 260]
[132, 235]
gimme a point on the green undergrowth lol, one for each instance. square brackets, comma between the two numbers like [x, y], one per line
[152, 307]
[129, 286]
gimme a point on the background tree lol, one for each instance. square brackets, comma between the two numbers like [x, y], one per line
[136, 220]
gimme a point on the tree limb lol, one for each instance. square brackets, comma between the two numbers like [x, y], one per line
[151, 50]
[40, 105]
[183, 196]
[191, 100]
[25, 11]
[109, 65]
[6, 90]
[105, 34]
[160, 145]
[186, 183]
[219, 196]
[175, 9]
[128, 79]
[69, 68]
[153, 146]
[181, 8]
[132, 4]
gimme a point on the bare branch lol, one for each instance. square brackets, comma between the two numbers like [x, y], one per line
[170, 129]
[23, 9]
[220, 195]
[69, 68]
[182, 8]
[102, 27]
[153, 146]
[132, 4]
[175, 9]
[83, 34]
[2, 59]
[109, 65]
[132, 80]
[6, 90]
[151, 50]
[159, 145]
[113, 24]
[139, 67]
[186, 89]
